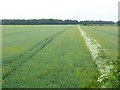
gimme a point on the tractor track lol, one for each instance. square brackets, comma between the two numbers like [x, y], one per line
[36, 45]
[23, 58]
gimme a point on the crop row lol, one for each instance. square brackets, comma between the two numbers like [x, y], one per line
[22, 58]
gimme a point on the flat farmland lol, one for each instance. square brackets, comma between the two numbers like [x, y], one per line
[54, 56]
[46, 56]
[106, 36]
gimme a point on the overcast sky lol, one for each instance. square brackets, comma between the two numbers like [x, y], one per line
[60, 9]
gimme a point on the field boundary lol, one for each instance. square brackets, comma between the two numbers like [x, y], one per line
[23, 58]
[96, 52]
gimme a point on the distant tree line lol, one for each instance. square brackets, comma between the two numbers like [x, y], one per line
[96, 22]
[118, 23]
[37, 22]
[49, 22]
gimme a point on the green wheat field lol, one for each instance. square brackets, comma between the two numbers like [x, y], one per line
[55, 56]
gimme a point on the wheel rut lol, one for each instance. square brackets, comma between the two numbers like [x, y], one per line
[23, 58]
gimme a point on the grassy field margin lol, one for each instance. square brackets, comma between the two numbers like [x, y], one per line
[104, 65]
